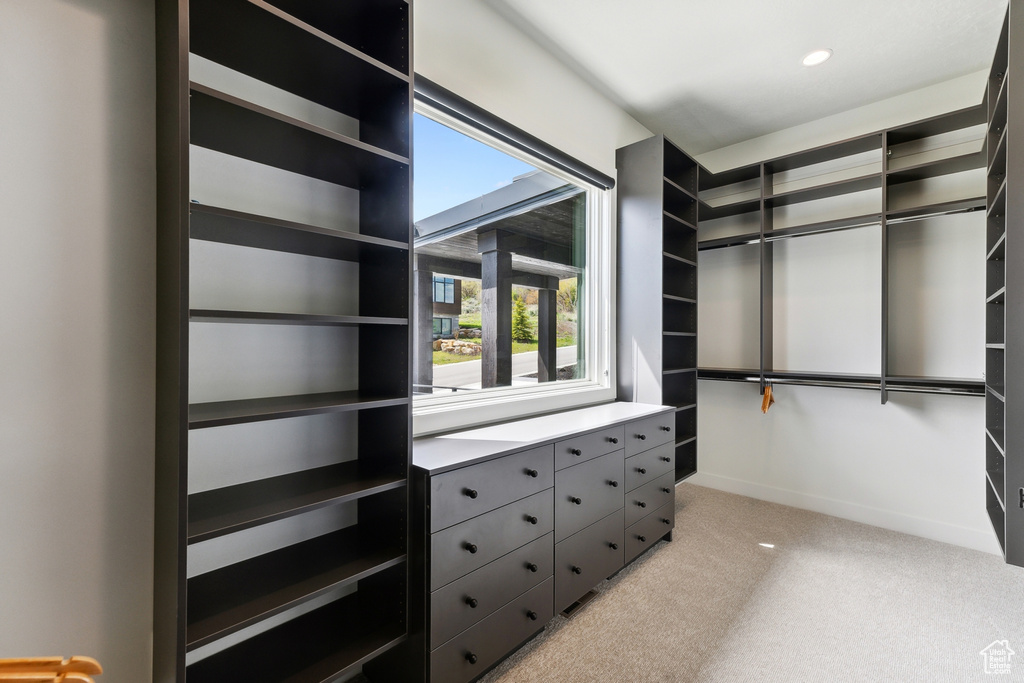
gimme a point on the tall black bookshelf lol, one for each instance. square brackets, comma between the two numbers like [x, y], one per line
[311, 607]
[1004, 325]
[657, 306]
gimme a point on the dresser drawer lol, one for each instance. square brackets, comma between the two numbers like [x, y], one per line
[649, 497]
[585, 559]
[649, 465]
[646, 532]
[466, 601]
[460, 549]
[582, 448]
[470, 653]
[649, 432]
[587, 492]
[465, 493]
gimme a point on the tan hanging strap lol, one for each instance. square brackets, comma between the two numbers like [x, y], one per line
[768, 399]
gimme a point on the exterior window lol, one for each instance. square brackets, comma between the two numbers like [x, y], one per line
[512, 269]
[444, 290]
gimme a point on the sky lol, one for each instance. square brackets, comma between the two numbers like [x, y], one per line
[450, 168]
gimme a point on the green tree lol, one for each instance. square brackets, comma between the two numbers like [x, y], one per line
[522, 331]
[567, 296]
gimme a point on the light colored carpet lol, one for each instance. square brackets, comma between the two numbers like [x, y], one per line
[832, 601]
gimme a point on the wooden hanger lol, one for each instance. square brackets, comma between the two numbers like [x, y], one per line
[49, 670]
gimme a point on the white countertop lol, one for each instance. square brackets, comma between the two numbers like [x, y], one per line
[443, 452]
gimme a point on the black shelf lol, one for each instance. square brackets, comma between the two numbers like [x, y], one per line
[680, 259]
[937, 125]
[734, 241]
[997, 297]
[324, 645]
[676, 186]
[997, 205]
[257, 39]
[940, 167]
[997, 155]
[936, 209]
[710, 213]
[743, 174]
[818, 155]
[679, 298]
[375, 29]
[995, 483]
[230, 125]
[243, 506]
[835, 225]
[227, 600]
[220, 413]
[998, 250]
[840, 187]
[669, 333]
[265, 318]
[679, 221]
[217, 224]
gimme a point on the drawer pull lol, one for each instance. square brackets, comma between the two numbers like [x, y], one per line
[531, 519]
[613, 439]
[576, 570]
[471, 658]
[472, 602]
[471, 547]
[642, 539]
[472, 493]
[531, 615]
[532, 567]
[665, 458]
[641, 503]
[575, 451]
[641, 470]
[613, 546]
[532, 473]
[642, 437]
[574, 499]
[666, 489]
[614, 484]
[665, 428]
[666, 521]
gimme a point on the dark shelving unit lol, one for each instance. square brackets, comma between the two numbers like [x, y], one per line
[308, 602]
[1004, 264]
[885, 217]
[657, 318]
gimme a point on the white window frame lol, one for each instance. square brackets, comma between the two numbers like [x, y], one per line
[449, 412]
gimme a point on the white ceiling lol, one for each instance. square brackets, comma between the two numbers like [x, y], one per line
[710, 73]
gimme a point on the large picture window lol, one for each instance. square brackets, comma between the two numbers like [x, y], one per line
[512, 279]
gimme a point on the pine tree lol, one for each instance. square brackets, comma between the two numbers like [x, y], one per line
[522, 331]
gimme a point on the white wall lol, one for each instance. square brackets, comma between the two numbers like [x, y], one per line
[466, 47]
[77, 255]
[914, 465]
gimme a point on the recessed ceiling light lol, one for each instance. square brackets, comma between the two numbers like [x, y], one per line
[817, 57]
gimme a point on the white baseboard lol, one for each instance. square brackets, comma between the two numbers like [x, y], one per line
[983, 540]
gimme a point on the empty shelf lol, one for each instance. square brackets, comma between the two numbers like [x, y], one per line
[243, 506]
[324, 645]
[841, 187]
[932, 169]
[937, 125]
[709, 213]
[938, 209]
[259, 317]
[216, 224]
[219, 413]
[824, 153]
[734, 241]
[227, 600]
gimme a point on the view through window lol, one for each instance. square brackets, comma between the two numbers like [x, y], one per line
[500, 251]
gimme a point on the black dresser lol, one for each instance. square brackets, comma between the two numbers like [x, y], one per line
[514, 523]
